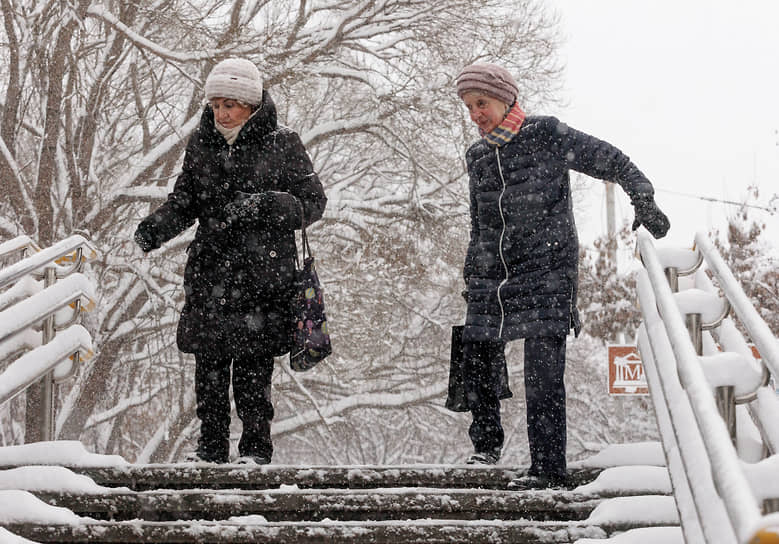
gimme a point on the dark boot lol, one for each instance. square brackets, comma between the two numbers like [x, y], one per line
[541, 481]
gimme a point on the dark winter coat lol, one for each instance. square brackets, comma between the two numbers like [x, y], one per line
[522, 260]
[239, 274]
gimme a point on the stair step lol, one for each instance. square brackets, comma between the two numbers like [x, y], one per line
[248, 530]
[202, 475]
[336, 504]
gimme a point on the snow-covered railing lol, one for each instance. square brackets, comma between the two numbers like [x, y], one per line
[74, 291]
[58, 356]
[718, 418]
[20, 246]
[32, 313]
[73, 249]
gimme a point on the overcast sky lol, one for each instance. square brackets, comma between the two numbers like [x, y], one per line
[689, 89]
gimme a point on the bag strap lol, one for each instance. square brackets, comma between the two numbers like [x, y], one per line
[306, 247]
[304, 238]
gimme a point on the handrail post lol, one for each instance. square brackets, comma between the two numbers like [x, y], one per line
[695, 328]
[725, 398]
[39, 414]
[770, 506]
[724, 395]
[672, 275]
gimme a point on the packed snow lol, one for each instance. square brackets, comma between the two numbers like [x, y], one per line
[59, 452]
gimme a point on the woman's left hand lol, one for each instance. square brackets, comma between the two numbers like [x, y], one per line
[650, 215]
[248, 206]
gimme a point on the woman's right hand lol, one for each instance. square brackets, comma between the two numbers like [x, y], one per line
[144, 236]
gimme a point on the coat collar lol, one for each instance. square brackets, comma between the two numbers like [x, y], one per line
[261, 123]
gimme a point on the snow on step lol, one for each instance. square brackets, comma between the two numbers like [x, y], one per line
[257, 531]
[292, 504]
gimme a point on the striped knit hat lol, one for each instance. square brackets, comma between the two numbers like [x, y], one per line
[238, 79]
[491, 79]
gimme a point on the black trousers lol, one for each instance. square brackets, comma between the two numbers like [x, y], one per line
[251, 378]
[544, 399]
[481, 382]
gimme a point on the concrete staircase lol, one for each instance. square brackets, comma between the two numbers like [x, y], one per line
[292, 504]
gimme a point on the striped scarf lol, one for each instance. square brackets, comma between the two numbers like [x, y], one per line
[508, 128]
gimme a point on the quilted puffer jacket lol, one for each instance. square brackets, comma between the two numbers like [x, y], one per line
[522, 259]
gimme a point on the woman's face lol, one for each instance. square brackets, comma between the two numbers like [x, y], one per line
[230, 113]
[485, 111]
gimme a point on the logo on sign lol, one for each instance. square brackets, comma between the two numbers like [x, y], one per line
[626, 373]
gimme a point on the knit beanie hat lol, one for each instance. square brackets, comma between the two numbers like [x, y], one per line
[491, 79]
[238, 79]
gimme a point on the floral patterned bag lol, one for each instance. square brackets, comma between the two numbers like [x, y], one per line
[310, 336]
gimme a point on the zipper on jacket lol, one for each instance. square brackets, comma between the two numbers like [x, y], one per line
[500, 243]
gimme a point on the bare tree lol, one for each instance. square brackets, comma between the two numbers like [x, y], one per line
[752, 257]
[100, 98]
[607, 299]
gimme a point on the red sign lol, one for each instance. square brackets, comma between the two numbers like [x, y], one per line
[626, 373]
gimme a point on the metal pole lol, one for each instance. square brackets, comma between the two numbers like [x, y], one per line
[672, 274]
[770, 506]
[39, 415]
[696, 331]
[724, 396]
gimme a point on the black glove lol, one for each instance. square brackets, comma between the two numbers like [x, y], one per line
[649, 215]
[144, 236]
[248, 207]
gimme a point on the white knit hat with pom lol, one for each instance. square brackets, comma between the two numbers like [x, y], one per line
[238, 79]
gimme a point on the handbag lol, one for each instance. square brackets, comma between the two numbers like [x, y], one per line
[455, 398]
[310, 335]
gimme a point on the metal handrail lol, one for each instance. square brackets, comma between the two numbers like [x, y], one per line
[726, 472]
[46, 257]
[761, 335]
[19, 291]
[740, 502]
[732, 340]
[763, 411]
[704, 518]
[43, 365]
[36, 308]
[19, 344]
[28, 369]
[19, 244]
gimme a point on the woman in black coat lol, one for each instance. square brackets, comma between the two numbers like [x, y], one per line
[522, 260]
[248, 183]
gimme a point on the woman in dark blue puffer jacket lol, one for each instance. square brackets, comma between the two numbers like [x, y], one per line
[522, 260]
